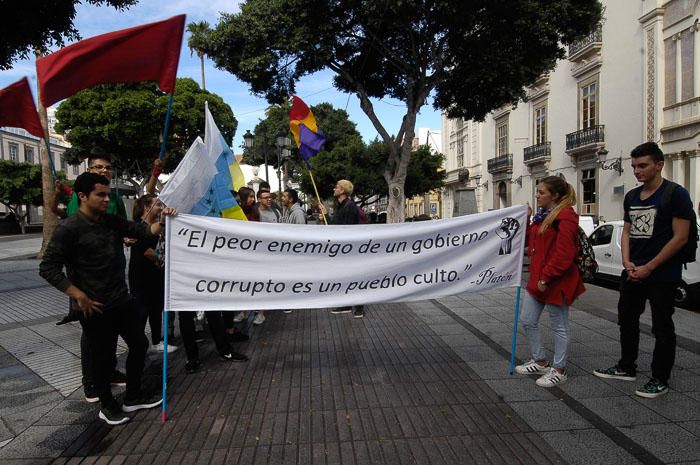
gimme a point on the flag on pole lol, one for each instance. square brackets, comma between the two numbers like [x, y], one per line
[149, 52]
[219, 199]
[17, 109]
[190, 180]
[308, 136]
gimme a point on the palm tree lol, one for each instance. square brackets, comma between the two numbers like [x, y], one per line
[198, 31]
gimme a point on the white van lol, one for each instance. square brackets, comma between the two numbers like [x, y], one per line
[586, 223]
[605, 240]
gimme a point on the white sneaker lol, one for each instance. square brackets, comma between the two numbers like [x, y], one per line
[160, 347]
[259, 319]
[531, 367]
[551, 378]
[240, 316]
[286, 311]
[171, 348]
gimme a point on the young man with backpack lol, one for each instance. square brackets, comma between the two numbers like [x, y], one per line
[655, 243]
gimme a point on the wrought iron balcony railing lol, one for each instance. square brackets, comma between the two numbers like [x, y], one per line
[595, 37]
[500, 163]
[537, 152]
[591, 135]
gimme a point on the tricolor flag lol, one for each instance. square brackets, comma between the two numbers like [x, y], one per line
[149, 52]
[219, 200]
[17, 108]
[308, 136]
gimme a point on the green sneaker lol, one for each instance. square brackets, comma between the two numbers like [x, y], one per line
[615, 373]
[654, 388]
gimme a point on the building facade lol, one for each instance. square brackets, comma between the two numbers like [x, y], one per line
[429, 204]
[635, 78]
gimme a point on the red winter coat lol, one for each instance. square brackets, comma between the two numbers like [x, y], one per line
[552, 256]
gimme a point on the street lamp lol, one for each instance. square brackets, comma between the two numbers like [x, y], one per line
[614, 164]
[282, 153]
[248, 143]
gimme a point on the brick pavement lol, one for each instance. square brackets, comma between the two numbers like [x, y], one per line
[425, 382]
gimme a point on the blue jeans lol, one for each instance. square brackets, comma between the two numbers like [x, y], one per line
[559, 321]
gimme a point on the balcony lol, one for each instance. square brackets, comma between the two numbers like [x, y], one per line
[538, 153]
[500, 163]
[589, 139]
[590, 44]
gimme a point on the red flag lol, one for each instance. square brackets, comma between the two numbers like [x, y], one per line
[17, 108]
[143, 53]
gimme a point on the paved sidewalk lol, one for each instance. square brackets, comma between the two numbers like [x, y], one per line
[423, 383]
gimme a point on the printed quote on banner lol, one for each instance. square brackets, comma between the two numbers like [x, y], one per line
[222, 264]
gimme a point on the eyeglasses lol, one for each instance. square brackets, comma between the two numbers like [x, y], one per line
[101, 167]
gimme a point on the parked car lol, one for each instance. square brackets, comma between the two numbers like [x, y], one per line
[605, 240]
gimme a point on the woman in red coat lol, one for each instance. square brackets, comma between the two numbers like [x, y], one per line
[554, 281]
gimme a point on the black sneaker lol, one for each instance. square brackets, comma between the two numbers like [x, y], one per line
[192, 366]
[113, 415]
[358, 312]
[238, 336]
[142, 401]
[91, 394]
[199, 336]
[234, 357]
[615, 373]
[654, 388]
[118, 378]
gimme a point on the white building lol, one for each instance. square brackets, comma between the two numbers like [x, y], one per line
[616, 89]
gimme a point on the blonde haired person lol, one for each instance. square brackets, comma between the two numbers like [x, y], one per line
[555, 281]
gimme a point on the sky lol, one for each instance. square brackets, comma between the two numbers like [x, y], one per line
[247, 108]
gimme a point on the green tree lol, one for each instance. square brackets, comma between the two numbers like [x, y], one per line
[196, 41]
[20, 186]
[125, 121]
[37, 26]
[469, 57]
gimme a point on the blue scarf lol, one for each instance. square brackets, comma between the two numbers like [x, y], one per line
[540, 215]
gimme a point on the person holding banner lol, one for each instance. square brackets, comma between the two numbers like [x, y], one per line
[345, 213]
[555, 281]
[89, 244]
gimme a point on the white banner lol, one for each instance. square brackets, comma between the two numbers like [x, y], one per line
[222, 264]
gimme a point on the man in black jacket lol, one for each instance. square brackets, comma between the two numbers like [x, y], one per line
[89, 245]
[345, 213]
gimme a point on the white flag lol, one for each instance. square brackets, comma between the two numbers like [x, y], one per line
[190, 180]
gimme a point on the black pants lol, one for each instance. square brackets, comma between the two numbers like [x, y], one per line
[151, 309]
[216, 327]
[633, 297]
[86, 360]
[102, 331]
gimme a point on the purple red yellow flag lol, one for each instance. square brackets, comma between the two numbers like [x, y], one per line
[307, 135]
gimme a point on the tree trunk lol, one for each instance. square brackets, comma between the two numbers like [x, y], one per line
[47, 181]
[395, 210]
[201, 61]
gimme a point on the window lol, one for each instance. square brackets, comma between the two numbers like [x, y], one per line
[501, 138]
[64, 165]
[460, 153]
[589, 105]
[75, 170]
[589, 194]
[14, 151]
[602, 235]
[29, 154]
[540, 125]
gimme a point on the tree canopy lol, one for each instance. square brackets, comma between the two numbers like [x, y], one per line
[469, 57]
[125, 121]
[36, 26]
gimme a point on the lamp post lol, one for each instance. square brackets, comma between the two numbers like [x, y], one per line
[614, 164]
[282, 153]
[248, 143]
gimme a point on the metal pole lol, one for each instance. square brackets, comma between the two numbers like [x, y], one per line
[279, 175]
[267, 175]
[515, 331]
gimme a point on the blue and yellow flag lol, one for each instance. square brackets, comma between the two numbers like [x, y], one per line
[219, 199]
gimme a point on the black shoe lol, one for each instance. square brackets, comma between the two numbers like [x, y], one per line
[234, 357]
[339, 310]
[142, 401]
[91, 394]
[192, 366]
[199, 336]
[118, 378]
[238, 336]
[358, 312]
[113, 415]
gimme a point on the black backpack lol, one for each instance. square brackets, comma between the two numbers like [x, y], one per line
[585, 257]
[687, 253]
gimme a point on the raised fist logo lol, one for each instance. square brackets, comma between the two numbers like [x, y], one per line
[506, 231]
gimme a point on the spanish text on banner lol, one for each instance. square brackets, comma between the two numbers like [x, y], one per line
[222, 264]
